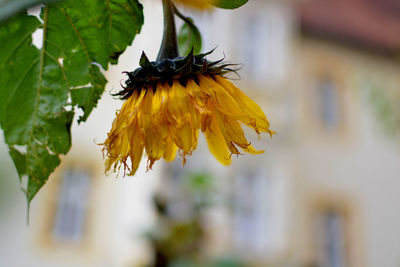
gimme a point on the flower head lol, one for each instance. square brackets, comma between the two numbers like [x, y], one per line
[169, 102]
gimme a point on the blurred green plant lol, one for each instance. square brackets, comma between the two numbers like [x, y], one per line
[180, 241]
[386, 109]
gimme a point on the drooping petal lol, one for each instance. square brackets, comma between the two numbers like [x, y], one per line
[149, 119]
[254, 116]
[234, 135]
[119, 146]
[182, 118]
[170, 152]
[228, 141]
[137, 147]
[227, 111]
[231, 130]
[198, 97]
[221, 99]
[216, 143]
[250, 149]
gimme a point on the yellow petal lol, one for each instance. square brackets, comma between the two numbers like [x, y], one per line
[197, 96]
[170, 152]
[216, 143]
[250, 149]
[221, 99]
[182, 118]
[254, 116]
[137, 148]
[231, 130]
[152, 131]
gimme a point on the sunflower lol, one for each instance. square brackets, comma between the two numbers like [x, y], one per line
[169, 103]
[170, 100]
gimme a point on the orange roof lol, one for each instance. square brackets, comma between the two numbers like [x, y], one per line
[372, 24]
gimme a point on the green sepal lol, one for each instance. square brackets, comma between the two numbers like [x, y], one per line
[167, 70]
[145, 62]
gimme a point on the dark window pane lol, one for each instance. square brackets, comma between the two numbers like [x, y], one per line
[72, 206]
[329, 104]
[331, 239]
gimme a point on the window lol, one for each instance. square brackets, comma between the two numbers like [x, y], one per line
[329, 104]
[258, 212]
[72, 206]
[249, 215]
[331, 239]
[264, 43]
[255, 48]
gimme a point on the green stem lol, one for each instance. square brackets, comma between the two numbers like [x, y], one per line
[181, 16]
[169, 44]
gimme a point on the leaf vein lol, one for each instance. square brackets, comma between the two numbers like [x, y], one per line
[18, 45]
[82, 43]
[18, 85]
[44, 38]
[59, 65]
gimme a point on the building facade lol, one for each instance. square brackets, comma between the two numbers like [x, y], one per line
[324, 193]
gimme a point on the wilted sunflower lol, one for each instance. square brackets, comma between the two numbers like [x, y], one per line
[170, 100]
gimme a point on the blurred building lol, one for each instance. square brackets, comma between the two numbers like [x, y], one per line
[324, 193]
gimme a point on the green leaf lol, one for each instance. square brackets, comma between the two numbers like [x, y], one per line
[230, 4]
[189, 38]
[11, 7]
[41, 88]
[20, 161]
